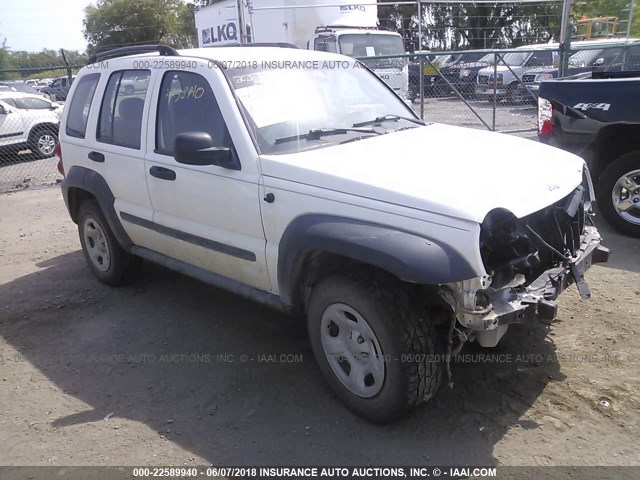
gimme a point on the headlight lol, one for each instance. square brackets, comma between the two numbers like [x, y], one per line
[543, 76]
[465, 72]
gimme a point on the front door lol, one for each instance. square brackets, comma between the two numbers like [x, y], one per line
[208, 216]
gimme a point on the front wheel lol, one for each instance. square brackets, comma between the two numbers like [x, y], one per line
[43, 143]
[618, 194]
[373, 348]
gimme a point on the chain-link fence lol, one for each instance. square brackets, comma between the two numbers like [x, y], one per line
[487, 89]
[498, 89]
[30, 113]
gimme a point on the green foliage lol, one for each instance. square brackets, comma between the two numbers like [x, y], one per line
[609, 8]
[116, 23]
[36, 65]
[477, 26]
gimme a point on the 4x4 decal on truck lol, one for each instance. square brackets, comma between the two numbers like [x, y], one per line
[592, 106]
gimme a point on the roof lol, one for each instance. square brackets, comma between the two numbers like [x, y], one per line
[247, 54]
[12, 94]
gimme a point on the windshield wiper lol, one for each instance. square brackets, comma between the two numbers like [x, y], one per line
[388, 118]
[323, 132]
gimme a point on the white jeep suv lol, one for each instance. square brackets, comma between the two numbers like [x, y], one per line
[306, 188]
[28, 122]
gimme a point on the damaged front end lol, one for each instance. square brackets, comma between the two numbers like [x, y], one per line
[529, 261]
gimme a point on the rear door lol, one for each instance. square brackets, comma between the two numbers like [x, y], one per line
[208, 216]
[120, 148]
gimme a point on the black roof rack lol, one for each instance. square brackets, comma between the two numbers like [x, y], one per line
[258, 44]
[118, 52]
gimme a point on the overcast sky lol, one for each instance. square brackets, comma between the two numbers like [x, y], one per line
[36, 24]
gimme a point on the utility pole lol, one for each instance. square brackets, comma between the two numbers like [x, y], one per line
[68, 66]
[631, 8]
[565, 37]
[242, 26]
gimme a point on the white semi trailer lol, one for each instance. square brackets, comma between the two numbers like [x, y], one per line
[330, 25]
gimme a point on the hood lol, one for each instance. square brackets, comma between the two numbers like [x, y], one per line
[453, 171]
[500, 69]
[539, 70]
[467, 66]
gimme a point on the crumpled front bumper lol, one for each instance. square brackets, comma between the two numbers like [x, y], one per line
[519, 304]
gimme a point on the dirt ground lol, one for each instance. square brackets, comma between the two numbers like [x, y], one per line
[188, 374]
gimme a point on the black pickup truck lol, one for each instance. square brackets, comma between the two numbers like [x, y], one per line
[598, 118]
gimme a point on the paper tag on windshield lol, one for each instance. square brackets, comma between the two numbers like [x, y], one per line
[371, 52]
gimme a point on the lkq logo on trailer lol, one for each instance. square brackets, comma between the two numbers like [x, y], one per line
[351, 8]
[225, 33]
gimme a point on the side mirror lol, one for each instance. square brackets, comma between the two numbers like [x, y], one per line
[197, 148]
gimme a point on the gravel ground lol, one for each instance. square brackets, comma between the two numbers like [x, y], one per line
[169, 371]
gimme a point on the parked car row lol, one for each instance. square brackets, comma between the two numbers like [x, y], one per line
[28, 121]
[515, 76]
[614, 55]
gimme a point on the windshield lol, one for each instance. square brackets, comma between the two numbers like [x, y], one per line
[515, 59]
[468, 58]
[286, 102]
[373, 45]
[370, 44]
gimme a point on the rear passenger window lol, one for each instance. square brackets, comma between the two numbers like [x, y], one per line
[120, 120]
[187, 104]
[80, 105]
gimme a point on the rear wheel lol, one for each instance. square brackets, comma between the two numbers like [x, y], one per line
[372, 346]
[618, 194]
[105, 257]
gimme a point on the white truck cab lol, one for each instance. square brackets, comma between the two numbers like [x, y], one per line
[339, 27]
[368, 42]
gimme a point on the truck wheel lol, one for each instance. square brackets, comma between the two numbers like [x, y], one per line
[372, 346]
[105, 257]
[514, 94]
[42, 142]
[618, 194]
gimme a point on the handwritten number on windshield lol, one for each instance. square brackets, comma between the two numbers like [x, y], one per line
[186, 93]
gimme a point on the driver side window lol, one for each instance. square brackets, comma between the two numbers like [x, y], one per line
[187, 104]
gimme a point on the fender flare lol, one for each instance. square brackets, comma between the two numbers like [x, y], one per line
[90, 181]
[408, 256]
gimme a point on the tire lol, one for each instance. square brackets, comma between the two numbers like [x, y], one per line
[104, 255]
[42, 142]
[392, 333]
[514, 96]
[619, 200]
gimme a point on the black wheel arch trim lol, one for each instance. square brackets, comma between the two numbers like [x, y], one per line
[92, 182]
[408, 256]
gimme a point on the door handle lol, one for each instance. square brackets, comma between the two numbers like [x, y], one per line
[162, 173]
[96, 157]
